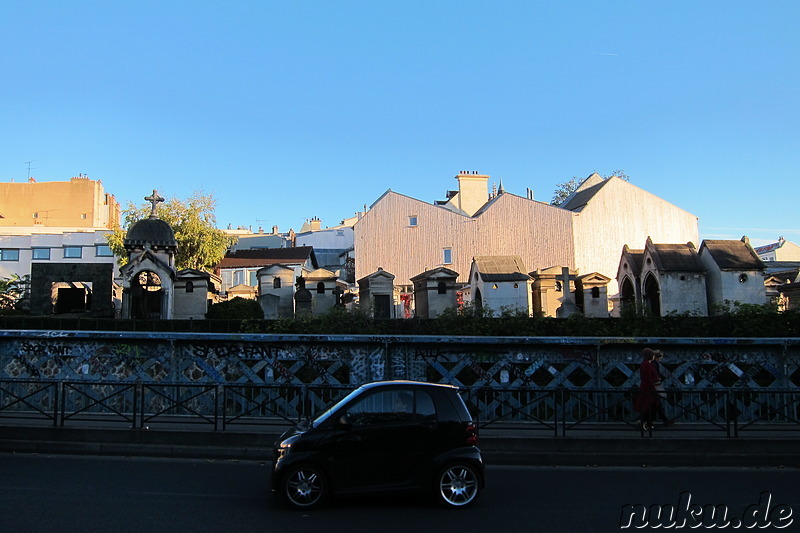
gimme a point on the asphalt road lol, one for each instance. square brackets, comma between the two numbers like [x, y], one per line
[40, 493]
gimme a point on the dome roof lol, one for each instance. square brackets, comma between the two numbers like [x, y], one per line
[152, 231]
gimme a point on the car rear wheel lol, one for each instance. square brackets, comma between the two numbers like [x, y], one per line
[304, 487]
[457, 485]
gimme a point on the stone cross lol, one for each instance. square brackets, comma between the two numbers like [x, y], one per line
[568, 306]
[154, 199]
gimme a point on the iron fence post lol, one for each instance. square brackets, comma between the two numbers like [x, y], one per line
[216, 407]
[224, 404]
[141, 410]
[63, 401]
[134, 413]
[56, 399]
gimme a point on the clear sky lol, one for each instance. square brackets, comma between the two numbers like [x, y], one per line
[286, 110]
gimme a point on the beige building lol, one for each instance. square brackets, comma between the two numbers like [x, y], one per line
[78, 203]
[782, 250]
[407, 236]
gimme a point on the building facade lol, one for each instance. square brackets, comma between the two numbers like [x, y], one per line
[408, 236]
[78, 203]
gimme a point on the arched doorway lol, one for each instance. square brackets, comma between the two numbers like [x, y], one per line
[146, 295]
[627, 295]
[652, 295]
[478, 299]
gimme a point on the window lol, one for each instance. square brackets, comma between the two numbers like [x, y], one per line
[595, 292]
[41, 253]
[392, 407]
[73, 252]
[83, 216]
[276, 283]
[9, 254]
[238, 277]
[36, 215]
[441, 287]
[412, 221]
[189, 286]
[253, 278]
[320, 288]
[447, 254]
[340, 233]
[103, 250]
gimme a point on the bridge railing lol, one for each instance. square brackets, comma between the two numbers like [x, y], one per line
[549, 411]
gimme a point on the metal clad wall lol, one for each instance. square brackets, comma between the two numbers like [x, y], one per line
[539, 233]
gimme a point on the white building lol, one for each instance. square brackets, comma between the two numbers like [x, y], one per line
[734, 273]
[21, 246]
[499, 283]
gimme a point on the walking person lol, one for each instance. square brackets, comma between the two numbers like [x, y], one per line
[647, 401]
[658, 357]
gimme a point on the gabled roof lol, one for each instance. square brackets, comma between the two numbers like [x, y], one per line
[378, 273]
[268, 256]
[674, 257]
[193, 273]
[144, 256]
[593, 277]
[320, 274]
[500, 267]
[436, 273]
[732, 254]
[578, 200]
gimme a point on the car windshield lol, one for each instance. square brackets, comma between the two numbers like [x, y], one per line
[327, 413]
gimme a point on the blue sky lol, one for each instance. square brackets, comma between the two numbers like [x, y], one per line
[289, 110]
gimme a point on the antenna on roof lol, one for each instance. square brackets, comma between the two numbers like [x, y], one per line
[29, 168]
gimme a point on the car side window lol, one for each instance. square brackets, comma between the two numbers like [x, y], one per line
[392, 406]
[425, 407]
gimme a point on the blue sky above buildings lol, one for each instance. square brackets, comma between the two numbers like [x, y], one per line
[290, 110]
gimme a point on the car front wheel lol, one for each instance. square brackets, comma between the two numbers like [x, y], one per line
[304, 487]
[457, 485]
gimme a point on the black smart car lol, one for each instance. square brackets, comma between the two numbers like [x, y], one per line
[383, 436]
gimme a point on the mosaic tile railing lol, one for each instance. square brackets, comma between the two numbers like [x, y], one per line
[284, 375]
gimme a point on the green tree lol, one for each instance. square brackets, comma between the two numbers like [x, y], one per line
[200, 244]
[12, 290]
[565, 189]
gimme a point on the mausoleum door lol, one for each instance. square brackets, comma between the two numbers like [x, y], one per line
[147, 296]
[652, 295]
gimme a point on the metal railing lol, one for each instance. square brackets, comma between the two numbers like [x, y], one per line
[557, 411]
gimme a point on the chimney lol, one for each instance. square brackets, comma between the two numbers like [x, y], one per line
[473, 191]
[274, 230]
[316, 224]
